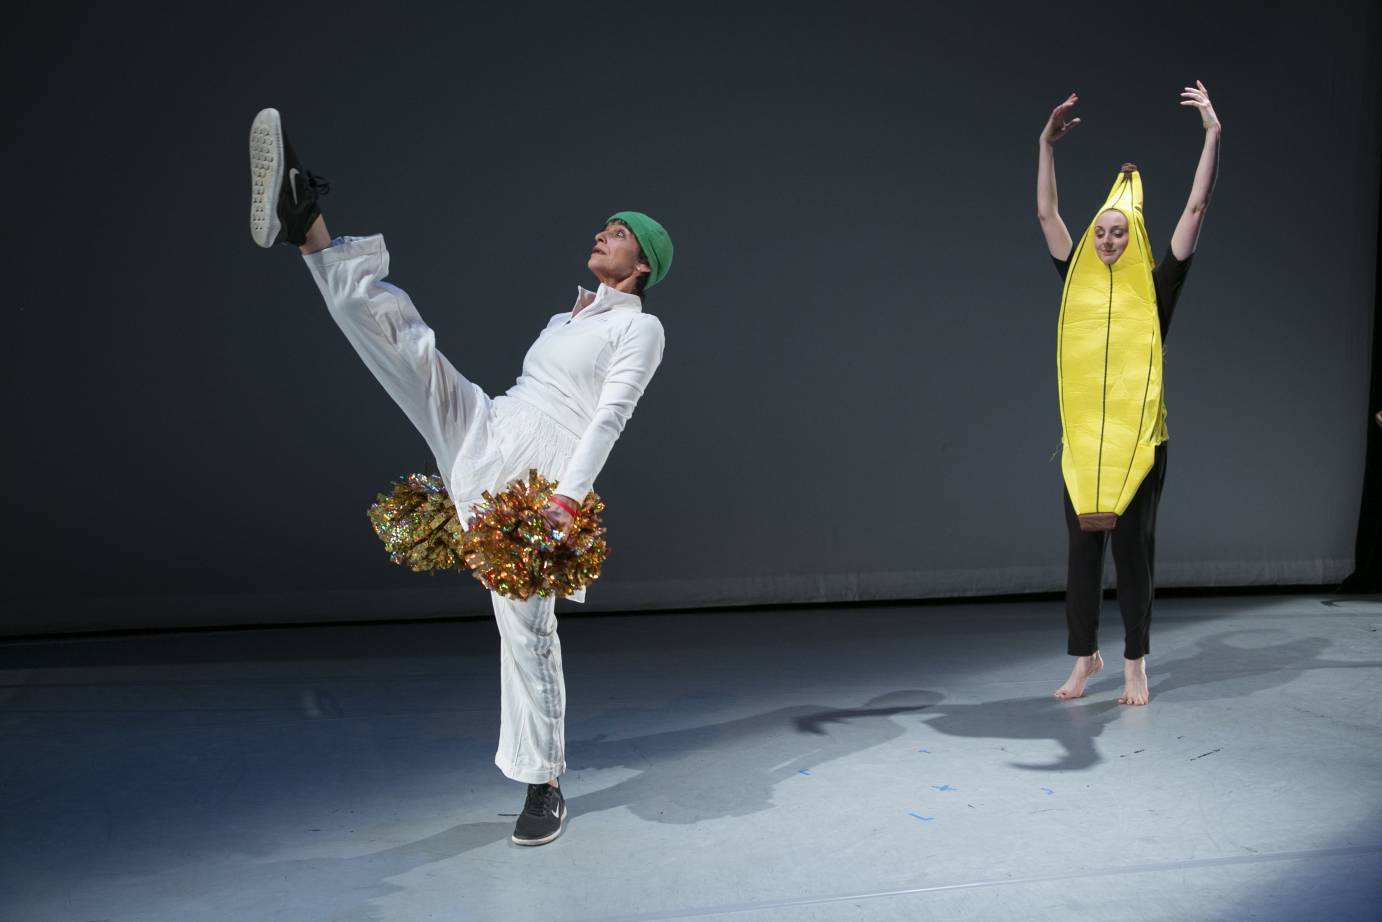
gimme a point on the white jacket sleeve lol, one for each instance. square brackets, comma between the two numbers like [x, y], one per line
[396, 345]
[637, 354]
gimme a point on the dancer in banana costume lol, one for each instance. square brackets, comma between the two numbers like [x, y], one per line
[1108, 365]
[1116, 308]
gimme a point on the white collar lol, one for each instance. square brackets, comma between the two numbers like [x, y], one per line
[603, 299]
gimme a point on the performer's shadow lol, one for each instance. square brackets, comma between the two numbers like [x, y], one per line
[730, 769]
[1217, 669]
[683, 776]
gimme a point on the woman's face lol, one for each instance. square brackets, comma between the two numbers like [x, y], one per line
[1110, 236]
[614, 257]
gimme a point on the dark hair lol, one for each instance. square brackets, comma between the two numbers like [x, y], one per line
[642, 282]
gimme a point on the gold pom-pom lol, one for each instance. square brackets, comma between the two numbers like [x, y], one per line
[507, 543]
[418, 524]
[513, 550]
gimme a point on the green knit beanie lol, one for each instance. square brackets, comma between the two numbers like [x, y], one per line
[653, 238]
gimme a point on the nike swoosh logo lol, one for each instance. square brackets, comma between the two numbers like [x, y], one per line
[293, 183]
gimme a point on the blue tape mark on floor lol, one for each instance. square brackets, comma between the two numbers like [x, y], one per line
[803, 772]
[944, 787]
[924, 819]
[927, 751]
[1047, 791]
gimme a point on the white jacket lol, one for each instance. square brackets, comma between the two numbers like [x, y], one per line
[587, 371]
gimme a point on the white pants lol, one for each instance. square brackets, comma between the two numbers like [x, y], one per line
[479, 444]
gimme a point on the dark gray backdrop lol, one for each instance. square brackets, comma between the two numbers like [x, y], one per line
[858, 396]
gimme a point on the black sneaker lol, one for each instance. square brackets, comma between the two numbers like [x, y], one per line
[543, 817]
[283, 197]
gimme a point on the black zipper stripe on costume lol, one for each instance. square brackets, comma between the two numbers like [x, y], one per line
[1103, 406]
[1146, 388]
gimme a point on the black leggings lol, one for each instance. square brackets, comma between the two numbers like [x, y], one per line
[1133, 542]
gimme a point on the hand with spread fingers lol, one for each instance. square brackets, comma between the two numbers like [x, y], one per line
[1056, 126]
[1198, 97]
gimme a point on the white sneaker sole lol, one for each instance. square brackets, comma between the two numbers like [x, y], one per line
[545, 839]
[266, 176]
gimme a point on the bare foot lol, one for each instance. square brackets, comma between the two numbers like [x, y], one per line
[1085, 666]
[1134, 682]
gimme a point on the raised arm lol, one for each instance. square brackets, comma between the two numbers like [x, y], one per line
[1187, 233]
[1048, 205]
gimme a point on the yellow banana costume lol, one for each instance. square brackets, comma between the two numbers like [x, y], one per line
[1108, 367]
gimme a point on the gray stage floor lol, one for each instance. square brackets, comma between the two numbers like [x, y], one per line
[876, 763]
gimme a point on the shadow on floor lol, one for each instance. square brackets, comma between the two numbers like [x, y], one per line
[1216, 669]
[685, 776]
[682, 776]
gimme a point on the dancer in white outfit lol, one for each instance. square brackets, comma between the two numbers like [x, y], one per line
[581, 380]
